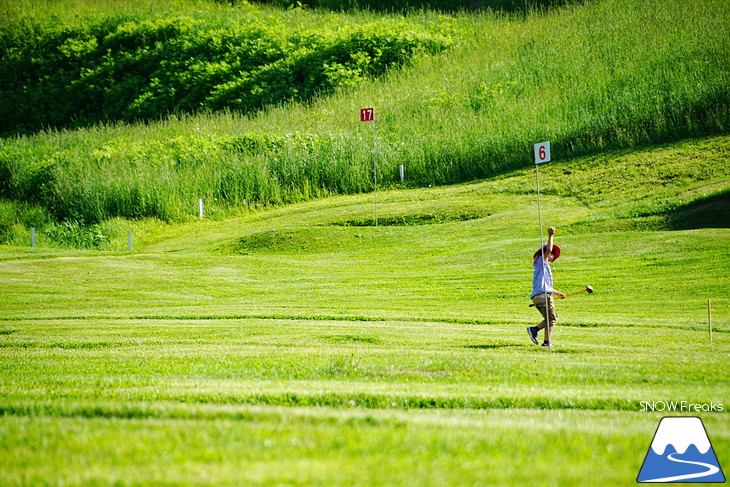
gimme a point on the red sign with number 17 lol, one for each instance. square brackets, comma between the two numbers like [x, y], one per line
[367, 114]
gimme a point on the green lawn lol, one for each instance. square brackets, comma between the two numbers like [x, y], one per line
[301, 346]
[316, 402]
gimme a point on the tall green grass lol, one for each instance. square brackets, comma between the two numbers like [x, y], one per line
[588, 78]
[407, 5]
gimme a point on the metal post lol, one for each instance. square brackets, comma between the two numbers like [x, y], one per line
[542, 255]
[375, 173]
[32, 238]
[709, 318]
[542, 154]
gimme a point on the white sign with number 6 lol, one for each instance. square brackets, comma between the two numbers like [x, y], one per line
[542, 152]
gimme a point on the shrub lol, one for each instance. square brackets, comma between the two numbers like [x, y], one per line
[139, 69]
[400, 5]
[75, 234]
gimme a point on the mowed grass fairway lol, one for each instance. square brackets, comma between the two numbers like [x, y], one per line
[303, 346]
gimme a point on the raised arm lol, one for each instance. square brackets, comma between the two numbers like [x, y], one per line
[548, 251]
[549, 246]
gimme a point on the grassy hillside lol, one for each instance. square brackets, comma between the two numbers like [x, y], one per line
[589, 78]
[299, 345]
[673, 187]
[586, 197]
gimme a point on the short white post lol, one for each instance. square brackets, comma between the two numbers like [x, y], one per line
[402, 172]
[200, 207]
[32, 237]
[129, 241]
[709, 318]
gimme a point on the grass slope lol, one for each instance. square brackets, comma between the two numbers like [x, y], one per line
[301, 346]
[589, 77]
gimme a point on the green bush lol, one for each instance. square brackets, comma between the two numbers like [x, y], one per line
[7, 220]
[17, 218]
[400, 5]
[74, 234]
[133, 68]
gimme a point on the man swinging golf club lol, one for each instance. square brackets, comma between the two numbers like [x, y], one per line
[542, 289]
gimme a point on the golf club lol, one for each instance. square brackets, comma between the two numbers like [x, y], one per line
[588, 289]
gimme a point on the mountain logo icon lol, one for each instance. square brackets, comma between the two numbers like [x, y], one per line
[681, 452]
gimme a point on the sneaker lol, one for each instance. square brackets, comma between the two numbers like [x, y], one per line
[547, 344]
[532, 330]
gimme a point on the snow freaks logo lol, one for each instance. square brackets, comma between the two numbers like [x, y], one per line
[681, 452]
[681, 406]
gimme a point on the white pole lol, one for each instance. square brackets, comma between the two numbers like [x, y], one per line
[709, 319]
[32, 237]
[402, 171]
[542, 256]
[375, 173]
[200, 208]
[129, 241]
[542, 154]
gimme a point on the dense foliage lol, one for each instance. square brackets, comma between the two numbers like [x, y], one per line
[399, 5]
[134, 68]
